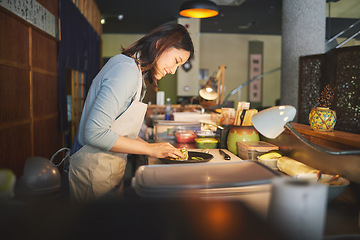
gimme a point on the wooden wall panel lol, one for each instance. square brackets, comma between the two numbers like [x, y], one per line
[14, 95]
[14, 44]
[29, 115]
[28, 91]
[44, 52]
[15, 147]
[47, 138]
[45, 95]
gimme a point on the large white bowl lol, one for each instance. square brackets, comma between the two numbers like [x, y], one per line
[335, 189]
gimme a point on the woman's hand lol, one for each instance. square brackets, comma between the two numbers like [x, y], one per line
[162, 150]
[139, 146]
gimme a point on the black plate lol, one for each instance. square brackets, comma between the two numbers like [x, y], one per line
[206, 157]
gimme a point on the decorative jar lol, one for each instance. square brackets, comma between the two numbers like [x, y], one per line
[240, 133]
[322, 119]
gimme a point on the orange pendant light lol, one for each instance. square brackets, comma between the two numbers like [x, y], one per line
[199, 9]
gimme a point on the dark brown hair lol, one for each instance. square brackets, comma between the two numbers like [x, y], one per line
[167, 35]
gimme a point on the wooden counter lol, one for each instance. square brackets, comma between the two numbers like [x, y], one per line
[335, 139]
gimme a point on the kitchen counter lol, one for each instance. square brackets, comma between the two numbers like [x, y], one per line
[258, 200]
[343, 213]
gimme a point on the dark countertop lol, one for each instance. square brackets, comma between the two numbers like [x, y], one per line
[343, 213]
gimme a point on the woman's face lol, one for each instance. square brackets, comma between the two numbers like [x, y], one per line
[170, 60]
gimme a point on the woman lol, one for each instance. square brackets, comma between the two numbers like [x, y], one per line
[113, 112]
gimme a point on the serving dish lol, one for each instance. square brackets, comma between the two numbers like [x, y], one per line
[336, 188]
[206, 157]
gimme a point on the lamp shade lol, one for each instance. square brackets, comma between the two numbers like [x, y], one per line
[208, 93]
[271, 121]
[199, 9]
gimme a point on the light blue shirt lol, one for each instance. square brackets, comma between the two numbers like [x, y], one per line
[110, 94]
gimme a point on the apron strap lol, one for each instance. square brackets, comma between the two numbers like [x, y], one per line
[66, 156]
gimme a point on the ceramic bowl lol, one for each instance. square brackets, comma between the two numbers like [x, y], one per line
[336, 188]
[271, 163]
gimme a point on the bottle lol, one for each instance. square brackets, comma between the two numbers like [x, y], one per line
[168, 111]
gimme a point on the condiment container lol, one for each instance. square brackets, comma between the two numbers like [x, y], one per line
[250, 150]
[209, 143]
[205, 134]
[227, 116]
[185, 136]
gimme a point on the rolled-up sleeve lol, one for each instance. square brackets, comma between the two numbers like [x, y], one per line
[115, 93]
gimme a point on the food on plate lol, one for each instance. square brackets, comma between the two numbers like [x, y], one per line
[185, 154]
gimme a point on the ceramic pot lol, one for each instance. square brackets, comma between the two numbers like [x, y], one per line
[240, 133]
[322, 119]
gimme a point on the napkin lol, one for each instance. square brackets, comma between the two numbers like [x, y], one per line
[298, 208]
[292, 167]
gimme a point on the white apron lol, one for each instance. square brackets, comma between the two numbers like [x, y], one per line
[94, 173]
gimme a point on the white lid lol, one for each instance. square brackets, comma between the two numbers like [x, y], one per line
[172, 178]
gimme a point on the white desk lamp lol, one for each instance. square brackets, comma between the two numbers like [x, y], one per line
[271, 122]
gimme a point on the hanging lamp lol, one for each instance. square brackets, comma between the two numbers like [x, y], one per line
[199, 9]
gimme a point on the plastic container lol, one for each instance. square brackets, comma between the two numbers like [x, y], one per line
[209, 143]
[164, 129]
[205, 134]
[185, 136]
[202, 180]
[250, 150]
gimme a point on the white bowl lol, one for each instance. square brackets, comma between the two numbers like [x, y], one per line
[271, 163]
[336, 188]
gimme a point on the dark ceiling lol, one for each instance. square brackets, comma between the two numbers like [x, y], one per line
[247, 17]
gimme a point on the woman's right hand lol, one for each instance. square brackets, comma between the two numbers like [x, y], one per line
[162, 150]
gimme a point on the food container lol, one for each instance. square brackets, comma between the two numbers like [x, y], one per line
[185, 136]
[164, 129]
[205, 134]
[250, 150]
[227, 116]
[209, 143]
